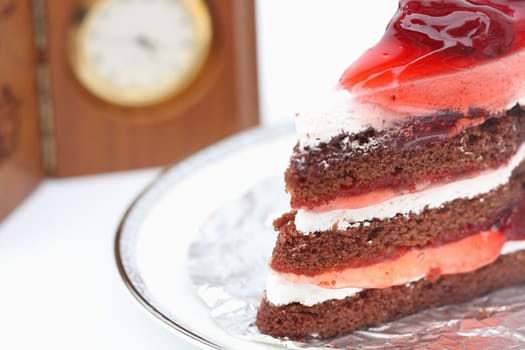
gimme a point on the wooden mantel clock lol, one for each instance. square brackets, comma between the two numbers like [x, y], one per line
[137, 83]
[125, 59]
[123, 84]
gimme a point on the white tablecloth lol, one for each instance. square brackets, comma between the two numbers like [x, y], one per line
[60, 288]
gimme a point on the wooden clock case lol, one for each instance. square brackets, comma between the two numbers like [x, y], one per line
[91, 135]
[20, 156]
[50, 125]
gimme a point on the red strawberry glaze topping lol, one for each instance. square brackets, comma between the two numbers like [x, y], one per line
[445, 55]
[514, 225]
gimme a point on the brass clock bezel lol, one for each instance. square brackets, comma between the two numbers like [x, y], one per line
[88, 76]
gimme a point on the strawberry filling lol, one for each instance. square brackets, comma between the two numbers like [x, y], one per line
[462, 256]
[374, 196]
[357, 201]
[410, 264]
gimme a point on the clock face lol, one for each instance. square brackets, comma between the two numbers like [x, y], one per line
[138, 52]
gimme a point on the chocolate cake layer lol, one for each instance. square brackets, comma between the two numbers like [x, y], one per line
[400, 158]
[316, 252]
[375, 306]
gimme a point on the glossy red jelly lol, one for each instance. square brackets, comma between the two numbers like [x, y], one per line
[429, 37]
[514, 225]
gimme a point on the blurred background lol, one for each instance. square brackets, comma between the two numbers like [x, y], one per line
[93, 90]
[305, 45]
[95, 86]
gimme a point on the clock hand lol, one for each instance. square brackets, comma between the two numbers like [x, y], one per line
[145, 43]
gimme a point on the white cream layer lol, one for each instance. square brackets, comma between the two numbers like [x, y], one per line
[433, 197]
[335, 113]
[339, 111]
[280, 291]
[512, 247]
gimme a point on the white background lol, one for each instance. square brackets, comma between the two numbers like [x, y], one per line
[59, 287]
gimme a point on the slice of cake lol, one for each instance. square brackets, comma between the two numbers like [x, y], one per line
[409, 191]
